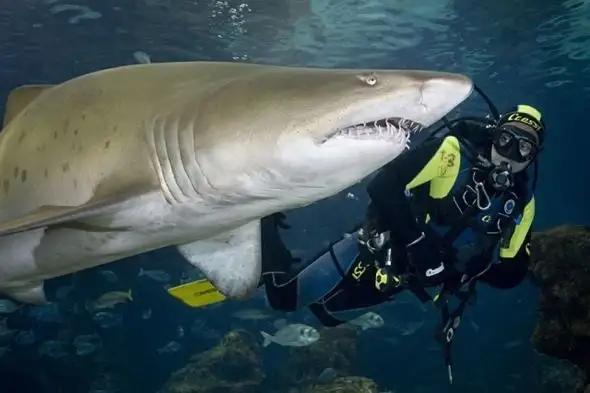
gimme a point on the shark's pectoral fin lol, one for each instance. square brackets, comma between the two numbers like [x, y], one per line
[20, 97]
[45, 216]
[231, 261]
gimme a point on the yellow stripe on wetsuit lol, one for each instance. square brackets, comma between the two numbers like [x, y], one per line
[520, 232]
[442, 169]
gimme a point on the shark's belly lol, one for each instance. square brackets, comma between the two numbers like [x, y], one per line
[139, 226]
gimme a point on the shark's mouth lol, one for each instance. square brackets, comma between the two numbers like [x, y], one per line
[391, 128]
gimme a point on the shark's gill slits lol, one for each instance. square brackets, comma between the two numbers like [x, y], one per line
[390, 128]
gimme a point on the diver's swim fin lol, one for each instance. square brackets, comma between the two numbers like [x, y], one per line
[195, 294]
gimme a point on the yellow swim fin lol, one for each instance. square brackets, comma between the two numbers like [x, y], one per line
[195, 294]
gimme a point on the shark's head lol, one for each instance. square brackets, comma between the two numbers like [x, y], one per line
[297, 135]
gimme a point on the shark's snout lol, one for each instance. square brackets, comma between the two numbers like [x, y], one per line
[442, 93]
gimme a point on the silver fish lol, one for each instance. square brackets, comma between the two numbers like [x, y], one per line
[295, 335]
[250, 314]
[171, 347]
[156, 275]
[369, 320]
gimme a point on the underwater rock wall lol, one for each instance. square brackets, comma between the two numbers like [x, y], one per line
[561, 268]
[235, 366]
[336, 350]
[345, 385]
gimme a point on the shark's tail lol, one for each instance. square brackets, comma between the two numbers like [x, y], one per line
[141, 272]
[267, 339]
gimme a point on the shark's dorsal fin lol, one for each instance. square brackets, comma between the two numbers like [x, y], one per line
[19, 98]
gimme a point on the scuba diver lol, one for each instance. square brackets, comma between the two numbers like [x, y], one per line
[453, 211]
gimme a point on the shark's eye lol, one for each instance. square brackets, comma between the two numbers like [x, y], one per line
[371, 80]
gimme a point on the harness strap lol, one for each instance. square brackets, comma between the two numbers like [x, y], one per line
[327, 319]
[450, 324]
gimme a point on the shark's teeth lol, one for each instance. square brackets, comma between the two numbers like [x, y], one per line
[380, 129]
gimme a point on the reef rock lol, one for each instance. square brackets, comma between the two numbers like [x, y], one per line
[561, 267]
[345, 385]
[233, 366]
[557, 376]
[336, 349]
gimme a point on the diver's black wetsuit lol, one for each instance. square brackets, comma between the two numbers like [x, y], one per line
[436, 188]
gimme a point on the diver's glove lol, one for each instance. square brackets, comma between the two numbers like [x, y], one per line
[276, 257]
[280, 220]
[425, 256]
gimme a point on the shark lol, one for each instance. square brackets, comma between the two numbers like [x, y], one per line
[126, 160]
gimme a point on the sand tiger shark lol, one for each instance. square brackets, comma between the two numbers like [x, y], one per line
[127, 160]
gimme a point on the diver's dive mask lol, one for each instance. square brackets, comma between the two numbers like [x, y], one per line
[515, 144]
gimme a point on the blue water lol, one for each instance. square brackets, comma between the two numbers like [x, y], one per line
[517, 51]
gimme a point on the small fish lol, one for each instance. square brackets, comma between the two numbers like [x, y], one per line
[84, 338]
[191, 275]
[295, 335]
[512, 344]
[109, 300]
[146, 314]
[516, 375]
[410, 328]
[5, 332]
[107, 319]
[49, 313]
[53, 349]
[156, 275]
[86, 349]
[170, 347]
[200, 328]
[142, 57]
[351, 196]
[63, 292]
[474, 325]
[179, 332]
[328, 375]
[7, 306]
[86, 344]
[250, 315]
[109, 276]
[369, 320]
[25, 337]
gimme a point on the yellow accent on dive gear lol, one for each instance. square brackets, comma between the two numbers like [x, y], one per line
[195, 294]
[442, 169]
[520, 231]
